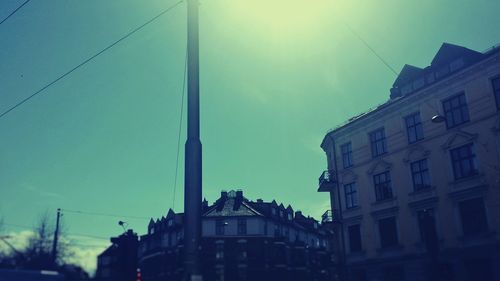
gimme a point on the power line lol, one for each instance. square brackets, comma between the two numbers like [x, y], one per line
[67, 234]
[91, 58]
[88, 245]
[370, 48]
[88, 236]
[180, 128]
[13, 12]
[104, 214]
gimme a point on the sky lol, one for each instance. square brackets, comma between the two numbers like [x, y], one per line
[275, 76]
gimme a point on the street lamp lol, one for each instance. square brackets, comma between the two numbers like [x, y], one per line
[438, 118]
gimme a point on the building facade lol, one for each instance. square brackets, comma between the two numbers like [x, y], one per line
[241, 240]
[415, 182]
[119, 261]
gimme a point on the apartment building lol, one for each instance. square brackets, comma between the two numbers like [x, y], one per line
[415, 182]
[241, 240]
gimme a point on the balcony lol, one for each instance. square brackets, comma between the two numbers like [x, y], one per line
[329, 217]
[327, 181]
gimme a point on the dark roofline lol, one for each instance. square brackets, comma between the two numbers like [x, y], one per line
[487, 54]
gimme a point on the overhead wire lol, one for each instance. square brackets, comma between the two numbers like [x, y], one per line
[180, 130]
[371, 49]
[15, 11]
[91, 58]
[68, 234]
[104, 214]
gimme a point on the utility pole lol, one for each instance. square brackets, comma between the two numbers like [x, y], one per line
[56, 237]
[193, 164]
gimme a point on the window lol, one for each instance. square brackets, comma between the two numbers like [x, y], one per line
[277, 231]
[496, 90]
[242, 226]
[351, 195]
[290, 216]
[219, 227]
[354, 238]
[170, 222]
[378, 144]
[346, 154]
[414, 127]
[455, 110]
[382, 184]
[219, 251]
[463, 161]
[427, 227]
[388, 232]
[420, 175]
[473, 216]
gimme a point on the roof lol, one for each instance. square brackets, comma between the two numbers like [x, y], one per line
[231, 207]
[446, 54]
[407, 73]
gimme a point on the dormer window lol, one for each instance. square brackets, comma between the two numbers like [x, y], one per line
[152, 230]
[170, 222]
[315, 225]
[281, 213]
[290, 216]
[273, 211]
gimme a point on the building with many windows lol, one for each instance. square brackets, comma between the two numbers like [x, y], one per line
[241, 240]
[415, 182]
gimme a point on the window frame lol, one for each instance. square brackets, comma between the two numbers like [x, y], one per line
[375, 141]
[351, 196]
[358, 239]
[384, 240]
[462, 108]
[474, 224]
[219, 227]
[417, 127]
[346, 152]
[470, 158]
[386, 192]
[242, 226]
[420, 172]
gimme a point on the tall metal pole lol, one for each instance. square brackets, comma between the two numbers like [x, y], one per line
[193, 164]
[56, 237]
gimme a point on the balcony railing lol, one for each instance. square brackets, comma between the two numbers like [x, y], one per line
[330, 216]
[326, 181]
[327, 216]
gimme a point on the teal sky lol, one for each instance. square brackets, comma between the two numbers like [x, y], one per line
[275, 76]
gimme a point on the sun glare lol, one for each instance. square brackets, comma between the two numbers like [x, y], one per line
[282, 19]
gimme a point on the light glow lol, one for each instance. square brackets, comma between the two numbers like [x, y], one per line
[282, 19]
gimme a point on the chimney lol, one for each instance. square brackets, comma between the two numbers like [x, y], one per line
[204, 204]
[298, 213]
[260, 201]
[239, 194]
[223, 194]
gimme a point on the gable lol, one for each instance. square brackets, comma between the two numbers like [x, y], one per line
[460, 137]
[447, 52]
[408, 73]
[380, 166]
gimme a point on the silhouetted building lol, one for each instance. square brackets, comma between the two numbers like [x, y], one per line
[119, 261]
[415, 182]
[241, 240]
